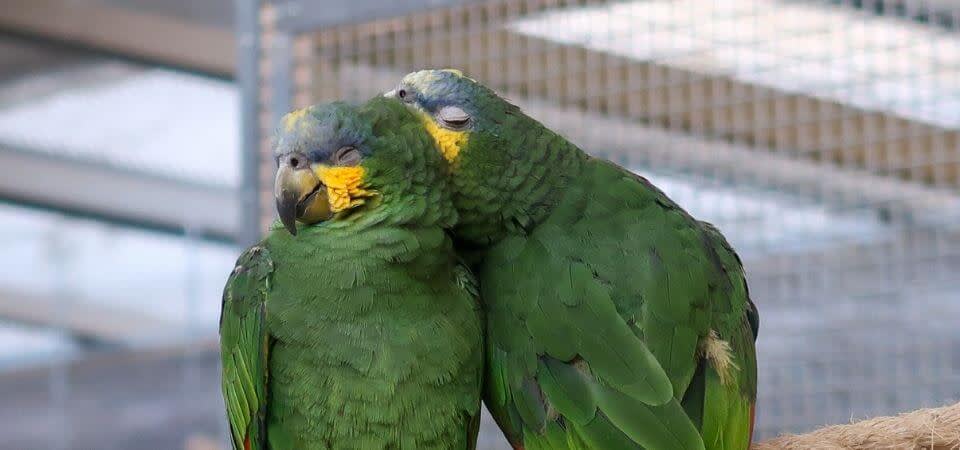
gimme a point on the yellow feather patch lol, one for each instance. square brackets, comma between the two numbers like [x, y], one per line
[458, 73]
[449, 141]
[344, 186]
[290, 121]
[720, 354]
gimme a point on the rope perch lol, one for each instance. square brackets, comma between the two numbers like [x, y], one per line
[928, 429]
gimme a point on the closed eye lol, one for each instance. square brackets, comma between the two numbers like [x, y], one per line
[453, 117]
[347, 156]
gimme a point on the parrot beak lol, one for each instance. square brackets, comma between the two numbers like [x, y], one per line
[299, 193]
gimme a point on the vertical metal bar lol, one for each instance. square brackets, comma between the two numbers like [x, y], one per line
[280, 85]
[58, 382]
[248, 81]
[190, 372]
[281, 79]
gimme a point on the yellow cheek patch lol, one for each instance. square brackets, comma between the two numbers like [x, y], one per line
[344, 186]
[449, 141]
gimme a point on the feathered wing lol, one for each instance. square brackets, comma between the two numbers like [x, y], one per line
[598, 328]
[570, 372]
[722, 397]
[245, 347]
[567, 368]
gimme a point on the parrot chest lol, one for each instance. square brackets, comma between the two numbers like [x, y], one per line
[370, 352]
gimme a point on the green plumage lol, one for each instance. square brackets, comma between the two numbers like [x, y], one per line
[361, 332]
[604, 299]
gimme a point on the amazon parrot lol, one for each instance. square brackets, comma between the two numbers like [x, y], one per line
[358, 327]
[615, 320]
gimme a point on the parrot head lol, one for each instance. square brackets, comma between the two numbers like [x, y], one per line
[336, 161]
[500, 185]
[458, 112]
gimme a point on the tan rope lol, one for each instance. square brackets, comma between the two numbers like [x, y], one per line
[928, 429]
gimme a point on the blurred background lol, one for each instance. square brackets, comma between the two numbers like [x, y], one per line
[822, 137]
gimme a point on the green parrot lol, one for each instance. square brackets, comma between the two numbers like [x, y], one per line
[615, 320]
[357, 328]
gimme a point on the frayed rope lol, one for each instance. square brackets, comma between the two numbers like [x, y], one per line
[928, 429]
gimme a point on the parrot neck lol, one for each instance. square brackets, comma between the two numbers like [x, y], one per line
[512, 190]
[425, 203]
[426, 208]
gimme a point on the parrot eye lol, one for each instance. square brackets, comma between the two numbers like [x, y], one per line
[346, 156]
[405, 95]
[453, 117]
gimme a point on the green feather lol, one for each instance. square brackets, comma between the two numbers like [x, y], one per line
[597, 287]
[661, 427]
[529, 402]
[363, 331]
[568, 390]
[599, 433]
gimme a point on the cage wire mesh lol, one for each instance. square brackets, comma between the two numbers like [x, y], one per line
[107, 325]
[822, 137]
